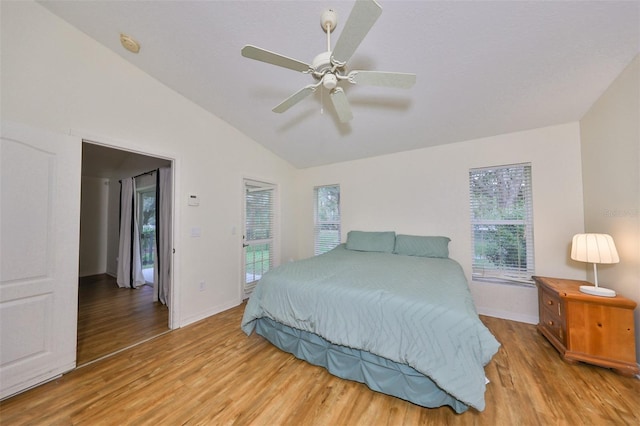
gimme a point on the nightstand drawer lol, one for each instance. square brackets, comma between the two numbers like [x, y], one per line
[552, 305]
[552, 323]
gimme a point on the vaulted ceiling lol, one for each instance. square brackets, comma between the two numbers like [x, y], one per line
[483, 67]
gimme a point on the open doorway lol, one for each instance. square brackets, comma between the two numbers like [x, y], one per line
[111, 318]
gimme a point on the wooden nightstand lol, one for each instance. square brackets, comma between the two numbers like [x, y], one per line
[593, 329]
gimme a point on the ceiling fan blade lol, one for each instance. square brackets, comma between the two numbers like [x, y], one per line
[295, 98]
[385, 79]
[341, 104]
[259, 54]
[363, 15]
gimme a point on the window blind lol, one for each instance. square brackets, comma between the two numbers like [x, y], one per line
[502, 223]
[326, 218]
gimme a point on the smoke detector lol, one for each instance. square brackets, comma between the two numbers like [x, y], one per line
[129, 43]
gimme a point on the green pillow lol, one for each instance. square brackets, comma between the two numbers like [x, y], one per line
[371, 241]
[413, 245]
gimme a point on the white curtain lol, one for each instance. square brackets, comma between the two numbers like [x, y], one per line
[164, 245]
[129, 261]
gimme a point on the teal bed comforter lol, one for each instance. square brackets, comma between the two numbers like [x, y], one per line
[415, 311]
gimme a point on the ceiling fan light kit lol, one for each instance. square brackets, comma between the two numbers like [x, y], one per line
[329, 68]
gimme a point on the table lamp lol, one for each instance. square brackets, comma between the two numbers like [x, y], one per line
[594, 248]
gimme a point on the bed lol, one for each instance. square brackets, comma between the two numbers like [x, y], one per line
[391, 311]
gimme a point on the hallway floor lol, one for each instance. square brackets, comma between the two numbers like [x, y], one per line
[112, 318]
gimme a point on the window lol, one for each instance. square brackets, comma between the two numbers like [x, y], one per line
[327, 218]
[502, 223]
[147, 225]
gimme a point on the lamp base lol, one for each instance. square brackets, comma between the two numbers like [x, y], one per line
[597, 291]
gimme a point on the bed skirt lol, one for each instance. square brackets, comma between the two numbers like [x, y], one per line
[379, 374]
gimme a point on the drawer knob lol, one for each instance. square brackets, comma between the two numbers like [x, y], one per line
[550, 322]
[549, 302]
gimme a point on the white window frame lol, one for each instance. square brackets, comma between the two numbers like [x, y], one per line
[320, 247]
[484, 266]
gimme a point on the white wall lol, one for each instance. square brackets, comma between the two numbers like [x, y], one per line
[56, 78]
[93, 226]
[611, 175]
[426, 192]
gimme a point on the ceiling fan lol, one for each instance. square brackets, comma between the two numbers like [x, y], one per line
[329, 68]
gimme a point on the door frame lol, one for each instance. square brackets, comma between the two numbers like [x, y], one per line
[107, 142]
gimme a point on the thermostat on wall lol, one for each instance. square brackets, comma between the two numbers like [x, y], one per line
[193, 200]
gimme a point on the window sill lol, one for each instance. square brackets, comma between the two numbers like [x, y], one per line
[501, 281]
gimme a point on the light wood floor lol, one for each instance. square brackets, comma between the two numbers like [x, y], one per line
[210, 373]
[112, 318]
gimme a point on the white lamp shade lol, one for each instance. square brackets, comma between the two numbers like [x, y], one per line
[594, 248]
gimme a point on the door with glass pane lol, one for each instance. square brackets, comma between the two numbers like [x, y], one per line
[258, 236]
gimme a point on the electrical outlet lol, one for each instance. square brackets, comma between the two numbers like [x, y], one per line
[201, 285]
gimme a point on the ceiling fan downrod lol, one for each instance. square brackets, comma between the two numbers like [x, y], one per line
[323, 68]
[329, 20]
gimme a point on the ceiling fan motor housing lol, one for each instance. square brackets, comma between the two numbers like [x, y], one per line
[322, 63]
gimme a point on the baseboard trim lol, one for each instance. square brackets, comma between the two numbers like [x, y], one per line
[205, 314]
[511, 316]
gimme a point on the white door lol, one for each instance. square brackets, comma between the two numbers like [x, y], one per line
[258, 235]
[39, 237]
